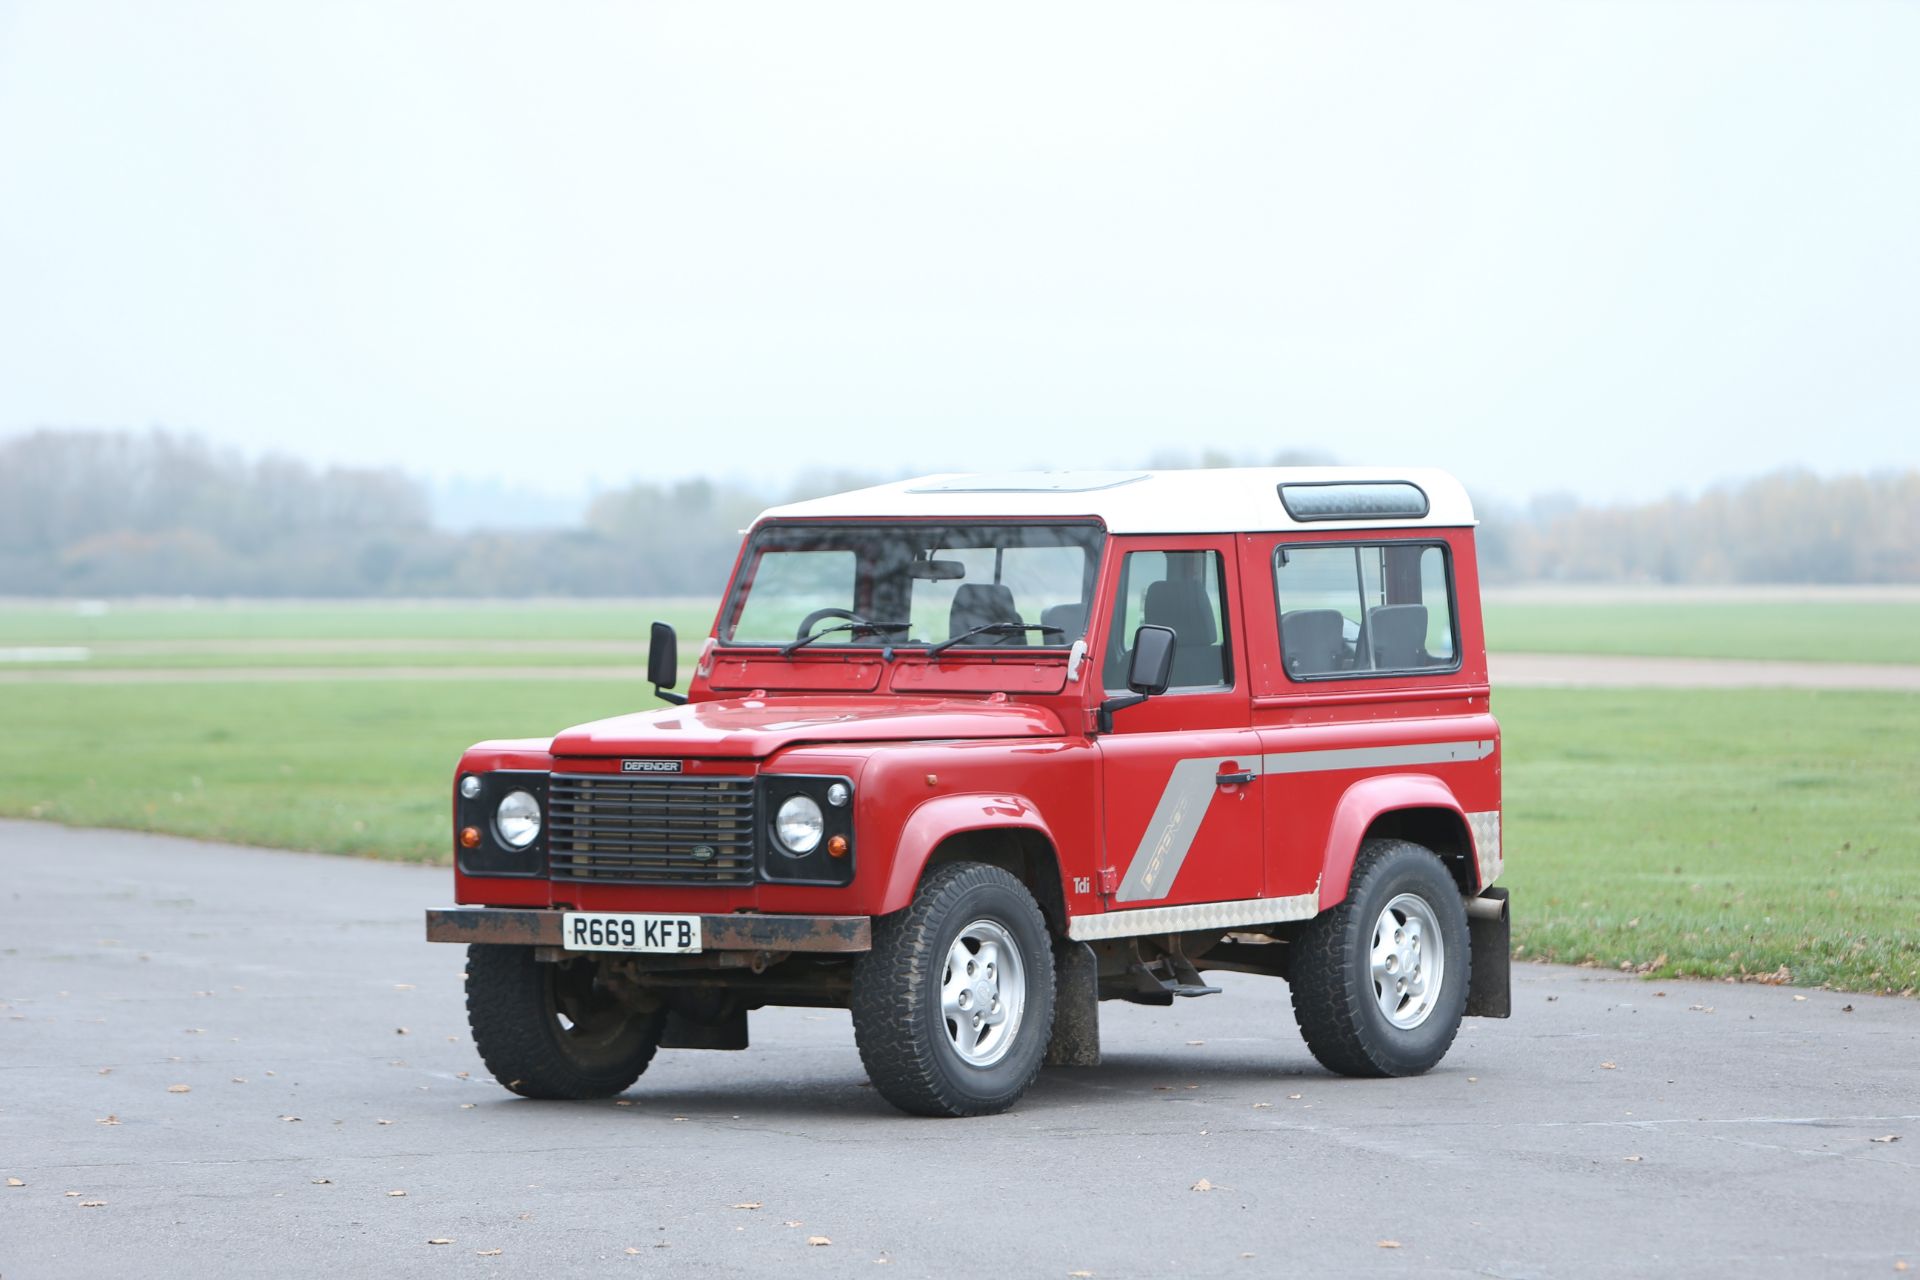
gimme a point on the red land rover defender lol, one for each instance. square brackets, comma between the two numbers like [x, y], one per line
[971, 753]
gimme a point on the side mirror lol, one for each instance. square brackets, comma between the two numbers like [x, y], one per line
[663, 662]
[1149, 672]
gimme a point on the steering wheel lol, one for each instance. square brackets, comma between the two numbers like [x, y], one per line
[821, 615]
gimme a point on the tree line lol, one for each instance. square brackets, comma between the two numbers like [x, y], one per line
[103, 513]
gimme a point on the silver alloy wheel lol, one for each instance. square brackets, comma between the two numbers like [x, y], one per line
[1409, 960]
[983, 992]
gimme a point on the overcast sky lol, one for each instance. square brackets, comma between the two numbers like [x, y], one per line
[1615, 248]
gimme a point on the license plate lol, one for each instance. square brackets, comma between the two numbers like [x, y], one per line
[625, 931]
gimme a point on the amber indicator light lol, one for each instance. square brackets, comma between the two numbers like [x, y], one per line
[469, 837]
[837, 846]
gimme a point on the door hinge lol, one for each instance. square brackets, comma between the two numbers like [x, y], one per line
[1109, 880]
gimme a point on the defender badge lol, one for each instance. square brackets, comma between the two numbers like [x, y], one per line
[650, 766]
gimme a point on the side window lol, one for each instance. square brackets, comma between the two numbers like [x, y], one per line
[1379, 609]
[1180, 589]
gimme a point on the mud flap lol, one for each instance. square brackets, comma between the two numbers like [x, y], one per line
[1076, 1007]
[1490, 990]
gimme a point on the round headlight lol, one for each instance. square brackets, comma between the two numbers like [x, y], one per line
[517, 820]
[799, 824]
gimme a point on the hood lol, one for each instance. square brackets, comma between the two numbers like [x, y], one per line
[756, 727]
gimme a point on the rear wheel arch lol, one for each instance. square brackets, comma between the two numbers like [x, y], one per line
[1416, 807]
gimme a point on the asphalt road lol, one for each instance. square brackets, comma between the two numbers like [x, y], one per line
[219, 1061]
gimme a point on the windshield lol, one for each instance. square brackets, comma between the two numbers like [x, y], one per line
[915, 584]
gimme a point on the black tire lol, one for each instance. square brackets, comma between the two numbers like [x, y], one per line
[553, 1030]
[899, 1021]
[1335, 999]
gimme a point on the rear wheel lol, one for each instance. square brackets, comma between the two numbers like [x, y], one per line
[1380, 982]
[953, 1007]
[555, 1030]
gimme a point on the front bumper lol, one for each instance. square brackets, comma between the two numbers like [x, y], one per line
[527, 927]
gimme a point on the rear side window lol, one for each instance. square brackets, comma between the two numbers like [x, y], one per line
[1367, 609]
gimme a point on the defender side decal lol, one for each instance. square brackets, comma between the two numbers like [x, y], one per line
[1190, 789]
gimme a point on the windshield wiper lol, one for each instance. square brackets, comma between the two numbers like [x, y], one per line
[858, 628]
[986, 628]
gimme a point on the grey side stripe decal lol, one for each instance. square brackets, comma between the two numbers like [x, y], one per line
[1176, 819]
[1376, 757]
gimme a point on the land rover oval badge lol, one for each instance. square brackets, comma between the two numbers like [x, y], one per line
[703, 853]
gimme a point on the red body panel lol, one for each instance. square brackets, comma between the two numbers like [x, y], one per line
[996, 740]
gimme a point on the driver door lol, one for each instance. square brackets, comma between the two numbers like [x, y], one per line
[1180, 770]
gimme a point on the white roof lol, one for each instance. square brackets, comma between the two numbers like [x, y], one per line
[1241, 499]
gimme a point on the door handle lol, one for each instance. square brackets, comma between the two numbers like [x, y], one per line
[1232, 779]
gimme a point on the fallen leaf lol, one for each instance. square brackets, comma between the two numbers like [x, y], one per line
[1633, 1159]
[15, 1182]
[1846, 1008]
[1080, 1275]
[108, 1120]
[747, 1204]
[1800, 998]
[439, 1240]
[635, 1251]
[179, 1088]
[1892, 1137]
[1388, 1244]
[1473, 1079]
[107, 1071]
[93, 1204]
[321, 1182]
[1202, 1185]
[461, 1075]
[396, 1193]
[1163, 1088]
[239, 1079]
[1294, 1097]
[383, 1122]
[403, 986]
[795, 1223]
[817, 1241]
[623, 1102]
[400, 1031]
[468, 1106]
[679, 1119]
[71, 1194]
[1608, 1066]
[1196, 1042]
[1258, 1105]
[291, 1119]
[488, 1253]
[1900, 1265]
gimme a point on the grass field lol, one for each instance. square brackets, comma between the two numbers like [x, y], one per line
[1798, 631]
[1710, 832]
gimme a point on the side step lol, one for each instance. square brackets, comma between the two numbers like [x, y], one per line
[1169, 976]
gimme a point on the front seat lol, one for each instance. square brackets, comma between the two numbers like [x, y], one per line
[1398, 636]
[977, 604]
[1181, 603]
[1312, 641]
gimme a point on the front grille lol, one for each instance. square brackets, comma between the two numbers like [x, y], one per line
[651, 830]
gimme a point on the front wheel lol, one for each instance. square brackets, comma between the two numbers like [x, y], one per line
[953, 1007]
[555, 1030]
[1380, 982]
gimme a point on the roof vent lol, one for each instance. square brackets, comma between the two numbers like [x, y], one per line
[1341, 500]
